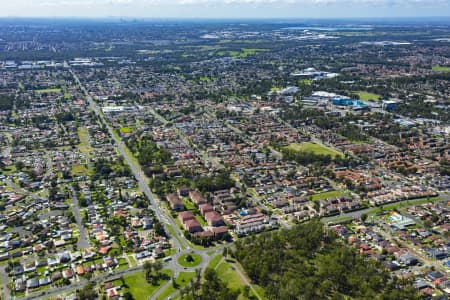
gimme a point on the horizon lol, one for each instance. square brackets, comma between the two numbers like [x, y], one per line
[320, 21]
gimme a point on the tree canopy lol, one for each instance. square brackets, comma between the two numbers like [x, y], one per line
[310, 262]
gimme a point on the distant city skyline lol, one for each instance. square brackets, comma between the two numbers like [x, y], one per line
[226, 8]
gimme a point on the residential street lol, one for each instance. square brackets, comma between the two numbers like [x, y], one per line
[139, 175]
[83, 240]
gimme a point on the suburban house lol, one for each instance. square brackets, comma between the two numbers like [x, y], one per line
[175, 202]
[197, 198]
[214, 219]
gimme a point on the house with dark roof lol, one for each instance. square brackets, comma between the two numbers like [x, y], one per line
[32, 283]
[205, 208]
[408, 259]
[197, 198]
[193, 226]
[214, 219]
[174, 201]
[185, 216]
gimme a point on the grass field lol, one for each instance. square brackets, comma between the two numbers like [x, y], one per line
[83, 135]
[126, 130]
[215, 261]
[183, 279]
[275, 89]
[48, 91]
[183, 262]
[411, 202]
[305, 81]
[314, 148]
[8, 170]
[243, 53]
[230, 276]
[132, 260]
[140, 288]
[441, 68]
[365, 96]
[250, 51]
[79, 170]
[327, 195]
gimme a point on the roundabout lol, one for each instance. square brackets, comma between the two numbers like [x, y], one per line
[189, 260]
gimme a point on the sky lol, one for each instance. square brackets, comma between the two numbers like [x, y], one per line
[225, 8]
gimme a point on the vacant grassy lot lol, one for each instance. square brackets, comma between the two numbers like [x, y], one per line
[250, 51]
[367, 96]
[327, 195]
[84, 145]
[48, 91]
[140, 288]
[243, 53]
[8, 170]
[183, 279]
[126, 130]
[411, 202]
[79, 170]
[228, 274]
[305, 81]
[215, 261]
[314, 148]
[441, 68]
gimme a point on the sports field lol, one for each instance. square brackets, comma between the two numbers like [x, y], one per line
[314, 148]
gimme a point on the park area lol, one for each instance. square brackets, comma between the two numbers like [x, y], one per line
[84, 145]
[242, 53]
[48, 91]
[366, 96]
[228, 272]
[140, 288]
[441, 68]
[317, 149]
